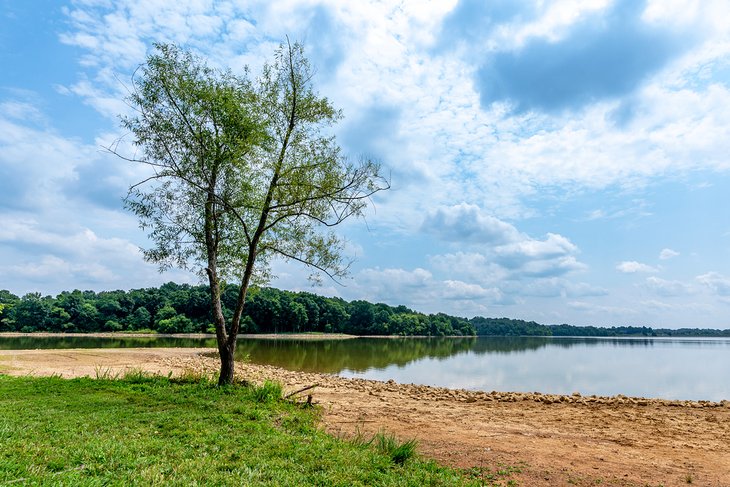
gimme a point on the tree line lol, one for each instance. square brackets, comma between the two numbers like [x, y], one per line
[183, 308]
[511, 327]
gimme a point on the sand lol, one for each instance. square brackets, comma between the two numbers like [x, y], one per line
[554, 440]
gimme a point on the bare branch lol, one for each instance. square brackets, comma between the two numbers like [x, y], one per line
[307, 263]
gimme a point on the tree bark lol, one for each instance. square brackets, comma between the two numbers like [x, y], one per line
[226, 352]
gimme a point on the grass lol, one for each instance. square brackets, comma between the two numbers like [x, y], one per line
[388, 445]
[141, 430]
[499, 477]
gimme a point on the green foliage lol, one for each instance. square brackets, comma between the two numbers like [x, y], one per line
[143, 430]
[508, 327]
[181, 308]
[8, 300]
[267, 392]
[569, 330]
[176, 324]
[196, 126]
[265, 309]
[388, 444]
[333, 356]
[165, 313]
[242, 171]
[6, 297]
[113, 326]
[34, 312]
[139, 319]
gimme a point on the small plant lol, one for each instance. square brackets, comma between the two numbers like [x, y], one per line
[267, 392]
[399, 453]
[360, 439]
[138, 376]
[105, 373]
[192, 376]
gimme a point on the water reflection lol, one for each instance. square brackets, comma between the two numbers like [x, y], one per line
[674, 368]
[67, 342]
[334, 356]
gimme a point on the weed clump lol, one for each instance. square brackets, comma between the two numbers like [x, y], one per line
[388, 445]
[268, 392]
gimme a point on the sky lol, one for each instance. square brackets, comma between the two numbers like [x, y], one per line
[557, 161]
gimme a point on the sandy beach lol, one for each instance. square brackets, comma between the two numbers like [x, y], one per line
[553, 440]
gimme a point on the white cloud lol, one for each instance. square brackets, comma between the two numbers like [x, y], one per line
[552, 287]
[502, 248]
[418, 288]
[472, 266]
[49, 267]
[77, 260]
[664, 287]
[468, 223]
[602, 310]
[716, 282]
[633, 267]
[553, 247]
[21, 111]
[666, 254]
[446, 145]
[461, 290]
[523, 260]
[441, 146]
[393, 279]
[35, 162]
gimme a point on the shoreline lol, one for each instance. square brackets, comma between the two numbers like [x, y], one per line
[555, 440]
[339, 336]
[209, 357]
[511, 396]
[263, 336]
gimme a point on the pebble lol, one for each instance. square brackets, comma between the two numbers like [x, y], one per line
[205, 365]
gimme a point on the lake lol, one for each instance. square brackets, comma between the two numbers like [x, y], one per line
[671, 368]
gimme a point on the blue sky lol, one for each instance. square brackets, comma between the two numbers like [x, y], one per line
[559, 161]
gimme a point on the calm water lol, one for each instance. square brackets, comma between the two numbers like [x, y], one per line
[659, 367]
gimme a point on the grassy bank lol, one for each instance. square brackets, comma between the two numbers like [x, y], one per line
[141, 430]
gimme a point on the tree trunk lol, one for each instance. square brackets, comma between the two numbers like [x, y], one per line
[226, 352]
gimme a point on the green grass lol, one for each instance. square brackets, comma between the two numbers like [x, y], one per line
[497, 477]
[387, 444]
[142, 430]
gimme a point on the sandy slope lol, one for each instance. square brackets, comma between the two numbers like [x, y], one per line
[557, 440]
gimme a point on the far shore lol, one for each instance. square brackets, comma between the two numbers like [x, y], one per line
[265, 336]
[552, 440]
[262, 336]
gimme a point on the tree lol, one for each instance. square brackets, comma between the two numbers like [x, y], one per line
[80, 312]
[241, 172]
[333, 316]
[139, 319]
[32, 313]
[362, 316]
[7, 301]
[265, 309]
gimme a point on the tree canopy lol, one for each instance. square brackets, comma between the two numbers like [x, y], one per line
[182, 308]
[242, 171]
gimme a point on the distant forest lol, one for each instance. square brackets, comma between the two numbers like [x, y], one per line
[182, 308]
[510, 327]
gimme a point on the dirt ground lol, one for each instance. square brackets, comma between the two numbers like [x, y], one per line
[553, 440]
